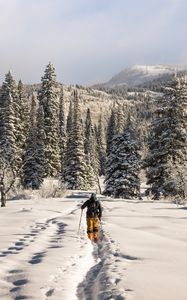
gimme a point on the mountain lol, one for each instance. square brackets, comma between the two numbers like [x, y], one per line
[140, 74]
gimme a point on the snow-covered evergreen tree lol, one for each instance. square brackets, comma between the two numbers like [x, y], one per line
[90, 146]
[23, 117]
[62, 132]
[29, 171]
[123, 165]
[8, 122]
[120, 118]
[69, 123]
[76, 171]
[40, 151]
[49, 99]
[89, 134]
[69, 130]
[110, 131]
[29, 162]
[33, 110]
[101, 145]
[167, 156]
[34, 158]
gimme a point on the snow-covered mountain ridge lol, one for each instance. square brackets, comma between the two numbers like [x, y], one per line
[140, 74]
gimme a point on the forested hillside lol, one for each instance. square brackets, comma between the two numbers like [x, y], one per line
[76, 134]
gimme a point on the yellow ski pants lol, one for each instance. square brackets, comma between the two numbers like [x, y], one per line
[92, 228]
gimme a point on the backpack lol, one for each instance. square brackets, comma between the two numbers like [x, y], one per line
[93, 209]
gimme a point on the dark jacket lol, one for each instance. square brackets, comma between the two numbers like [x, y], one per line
[94, 209]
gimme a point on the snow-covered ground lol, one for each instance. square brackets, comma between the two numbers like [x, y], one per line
[142, 253]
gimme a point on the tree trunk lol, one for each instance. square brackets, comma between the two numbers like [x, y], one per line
[99, 186]
[3, 194]
[3, 199]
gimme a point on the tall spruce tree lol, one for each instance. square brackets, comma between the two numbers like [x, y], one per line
[120, 118]
[111, 128]
[34, 159]
[8, 121]
[101, 146]
[23, 117]
[76, 171]
[69, 124]
[62, 132]
[33, 110]
[167, 156]
[40, 151]
[89, 134]
[90, 145]
[69, 142]
[49, 99]
[29, 162]
[123, 165]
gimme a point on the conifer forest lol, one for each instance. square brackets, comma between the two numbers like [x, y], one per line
[78, 135]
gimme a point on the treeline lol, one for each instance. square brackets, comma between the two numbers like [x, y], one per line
[37, 141]
[40, 139]
[164, 142]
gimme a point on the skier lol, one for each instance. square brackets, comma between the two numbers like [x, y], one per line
[93, 215]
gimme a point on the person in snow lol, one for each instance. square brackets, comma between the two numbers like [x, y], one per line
[93, 216]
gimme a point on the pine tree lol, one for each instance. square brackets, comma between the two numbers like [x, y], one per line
[123, 165]
[69, 132]
[120, 118]
[62, 132]
[40, 151]
[76, 172]
[29, 171]
[110, 131]
[23, 117]
[49, 99]
[167, 154]
[8, 120]
[89, 134]
[34, 159]
[90, 146]
[33, 110]
[29, 162]
[101, 146]
[69, 124]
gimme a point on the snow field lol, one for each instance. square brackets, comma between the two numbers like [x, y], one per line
[152, 239]
[41, 259]
[141, 255]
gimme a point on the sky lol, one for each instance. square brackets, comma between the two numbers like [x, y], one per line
[89, 41]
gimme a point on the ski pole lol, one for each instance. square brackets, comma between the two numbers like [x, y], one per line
[80, 221]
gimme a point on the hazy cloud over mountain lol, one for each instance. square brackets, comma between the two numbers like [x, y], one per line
[89, 40]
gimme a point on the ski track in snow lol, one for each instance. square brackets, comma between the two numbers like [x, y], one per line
[101, 281]
[32, 267]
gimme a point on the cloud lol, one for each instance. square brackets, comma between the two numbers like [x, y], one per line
[89, 40]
